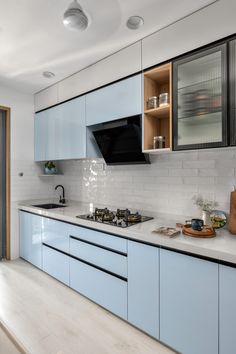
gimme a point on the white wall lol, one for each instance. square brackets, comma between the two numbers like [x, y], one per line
[22, 150]
[167, 185]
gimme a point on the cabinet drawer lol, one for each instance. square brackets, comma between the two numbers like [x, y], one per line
[104, 289]
[56, 234]
[99, 238]
[112, 261]
[56, 264]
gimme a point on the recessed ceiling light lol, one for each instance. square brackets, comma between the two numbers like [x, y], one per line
[48, 74]
[135, 22]
[74, 17]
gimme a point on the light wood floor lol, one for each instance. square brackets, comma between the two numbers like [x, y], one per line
[50, 318]
[6, 345]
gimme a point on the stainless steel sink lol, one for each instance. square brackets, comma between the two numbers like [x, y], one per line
[49, 206]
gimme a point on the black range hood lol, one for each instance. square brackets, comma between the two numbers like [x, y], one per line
[120, 142]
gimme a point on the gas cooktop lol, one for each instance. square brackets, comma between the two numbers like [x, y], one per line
[120, 217]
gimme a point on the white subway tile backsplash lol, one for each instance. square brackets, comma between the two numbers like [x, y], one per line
[184, 172]
[167, 185]
[214, 172]
[199, 180]
[199, 164]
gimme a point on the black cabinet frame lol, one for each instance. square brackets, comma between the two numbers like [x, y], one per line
[224, 66]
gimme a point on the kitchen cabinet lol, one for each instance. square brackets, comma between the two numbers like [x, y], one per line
[105, 289]
[60, 132]
[227, 308]
[55, 234]
[55, 264]
[118, 100]
[157, 121]
[143, 287]
[188, 303]
[112, 261]
[46, 98]
[232, 78]
[200, 99]
[30, 238]
[123, 63]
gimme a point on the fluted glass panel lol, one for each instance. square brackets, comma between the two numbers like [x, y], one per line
[200, 100]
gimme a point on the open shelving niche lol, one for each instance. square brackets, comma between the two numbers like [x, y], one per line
[157, 121]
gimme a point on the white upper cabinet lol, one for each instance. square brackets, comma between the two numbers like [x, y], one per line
[191, 32]
[46, 98]
[123, 63]
[119, 100]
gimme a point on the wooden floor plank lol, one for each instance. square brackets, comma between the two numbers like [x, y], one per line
[48, 317]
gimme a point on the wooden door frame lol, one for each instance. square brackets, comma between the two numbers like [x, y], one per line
[7, 111]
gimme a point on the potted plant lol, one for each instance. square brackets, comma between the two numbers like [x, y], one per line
[206, 206]
[50, 168]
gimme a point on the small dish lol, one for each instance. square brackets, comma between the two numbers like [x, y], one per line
[218, 219]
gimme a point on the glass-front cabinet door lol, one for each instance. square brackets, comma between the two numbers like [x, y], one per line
[232, 80]
[199, 99]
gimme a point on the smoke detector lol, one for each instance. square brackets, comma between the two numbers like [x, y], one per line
[74, 18]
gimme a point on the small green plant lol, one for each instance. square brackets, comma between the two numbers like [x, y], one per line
[204, 204]
[50, 165]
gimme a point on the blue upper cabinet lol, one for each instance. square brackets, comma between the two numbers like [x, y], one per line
[143, 287]
[119, 100]
[60, 131]
[40, 140]
[227, 317]
[188, 303]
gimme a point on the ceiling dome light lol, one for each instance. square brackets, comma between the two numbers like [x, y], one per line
[135, 22]
[74, 18]
[48, 74]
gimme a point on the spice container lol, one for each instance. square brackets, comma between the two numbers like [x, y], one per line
[159, 142]
[163, 99]
[152, 102]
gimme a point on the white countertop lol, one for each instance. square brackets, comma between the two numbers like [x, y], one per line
[222, 247]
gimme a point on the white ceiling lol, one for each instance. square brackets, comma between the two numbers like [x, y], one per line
[33, 39]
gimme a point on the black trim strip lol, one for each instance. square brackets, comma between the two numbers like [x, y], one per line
[99, 246]
[87, 92]
[222, 262]
[87, 263]
[55, 249]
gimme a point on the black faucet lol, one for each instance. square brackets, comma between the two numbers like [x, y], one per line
[62, 199]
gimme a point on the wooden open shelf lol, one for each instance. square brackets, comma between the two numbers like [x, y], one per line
[157, 121]
[159, 112]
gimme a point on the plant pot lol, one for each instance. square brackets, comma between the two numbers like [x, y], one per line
[50, 171]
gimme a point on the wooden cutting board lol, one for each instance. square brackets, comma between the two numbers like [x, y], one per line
[206, 232]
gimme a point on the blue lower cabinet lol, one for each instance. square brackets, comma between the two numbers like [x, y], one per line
[143, 287]
[56, 264]
[188, 303]
[227, 298]
[25, 235]
[56, 234]
[111, 261]
[31, 238]
[99, 238]
[104, 289]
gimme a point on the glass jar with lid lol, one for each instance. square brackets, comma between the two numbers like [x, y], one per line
[159, 142]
